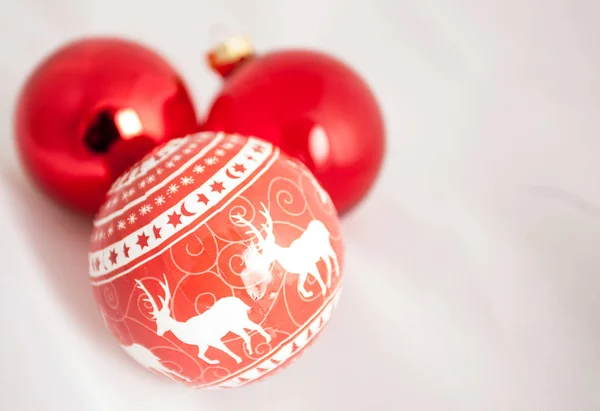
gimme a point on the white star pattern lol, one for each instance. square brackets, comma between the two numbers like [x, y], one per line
[173, 188]
[177, 157]
[126, 219]
[193, 145]
[187, 180]
[145, 209]
[132, 218]
[229, 145]
[211, 161]
[187, 151]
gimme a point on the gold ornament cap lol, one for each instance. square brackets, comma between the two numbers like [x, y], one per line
[226, 56]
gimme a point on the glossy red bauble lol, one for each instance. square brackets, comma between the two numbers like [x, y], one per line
[312, 105]
[216, 260]
[92, 109]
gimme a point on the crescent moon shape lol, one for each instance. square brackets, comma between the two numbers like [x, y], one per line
[230, 174]
[185, 212]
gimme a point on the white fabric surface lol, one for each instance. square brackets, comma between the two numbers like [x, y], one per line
[473, 272]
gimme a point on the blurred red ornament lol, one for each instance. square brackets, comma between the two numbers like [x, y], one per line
[313, 106]
[216, 260]
[92, 109]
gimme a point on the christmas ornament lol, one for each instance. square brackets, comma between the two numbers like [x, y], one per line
[311, 105]
[92, 109]
[216, 260]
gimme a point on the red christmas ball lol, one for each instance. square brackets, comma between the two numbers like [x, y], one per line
[311, 105]
[216, 260]
[92, 109]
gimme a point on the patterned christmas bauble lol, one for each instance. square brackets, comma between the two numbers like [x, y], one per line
[216, 260]
[93, 108]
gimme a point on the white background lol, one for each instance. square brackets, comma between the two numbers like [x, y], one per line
[473, 269]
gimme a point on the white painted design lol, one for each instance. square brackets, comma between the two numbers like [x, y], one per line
[285, 351]
[290, 193]
[146, 358]
[189, 203]
[228, 314]
[145, 209]
[95, 281]
[303, 254]
[257, 272]
[148, 165]
[211, 161]
[297, 165]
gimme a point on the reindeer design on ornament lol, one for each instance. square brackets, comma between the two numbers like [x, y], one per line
[229, 314]
[146, 358]
[300, 258]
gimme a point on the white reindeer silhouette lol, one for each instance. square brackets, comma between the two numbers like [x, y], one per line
[146, 358]
[302, 255]
[229, 314]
